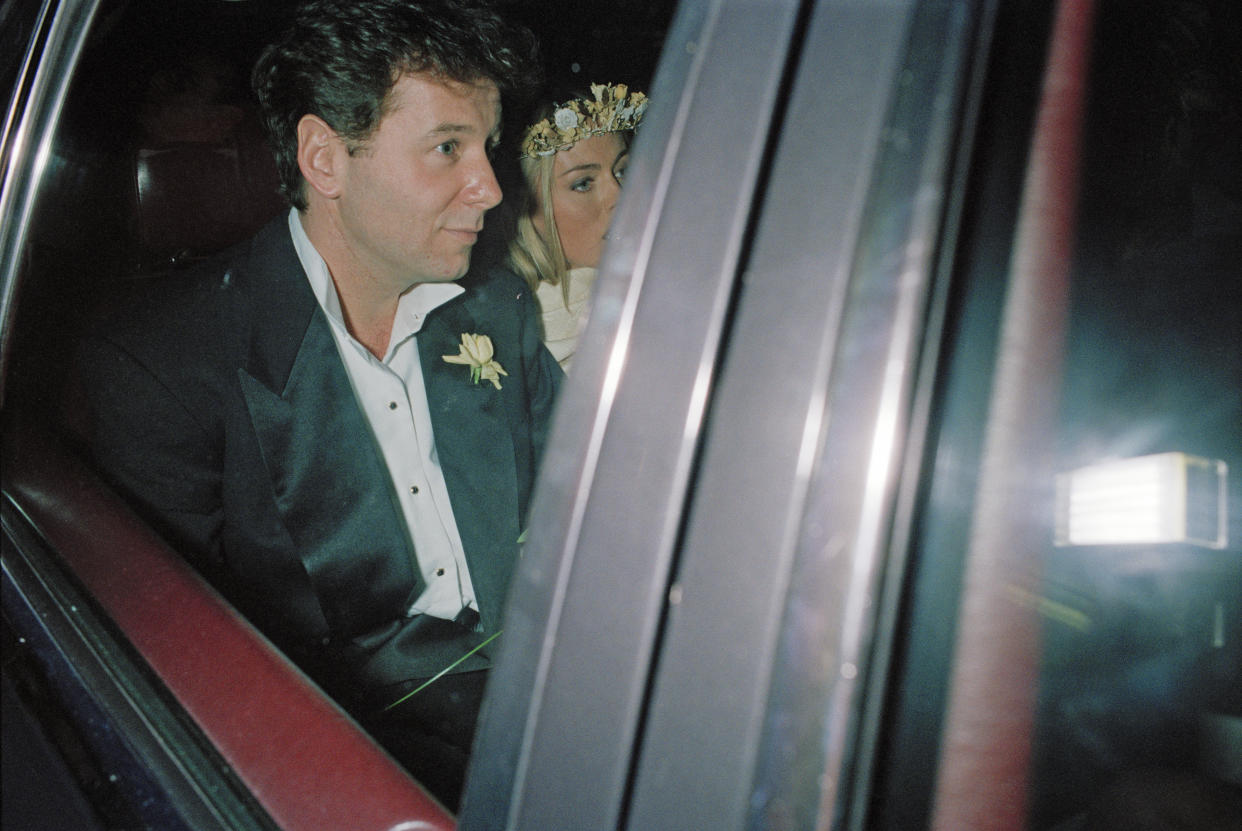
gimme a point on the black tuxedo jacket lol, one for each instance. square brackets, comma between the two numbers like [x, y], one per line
[219, 404]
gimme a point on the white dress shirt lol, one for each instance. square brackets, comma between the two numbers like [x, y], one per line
[392, 395]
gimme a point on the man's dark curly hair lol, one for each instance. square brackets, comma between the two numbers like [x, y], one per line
[340, 59]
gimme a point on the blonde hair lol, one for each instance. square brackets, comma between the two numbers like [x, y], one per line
[533, 256]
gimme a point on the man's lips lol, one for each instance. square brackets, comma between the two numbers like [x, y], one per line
[464, 234]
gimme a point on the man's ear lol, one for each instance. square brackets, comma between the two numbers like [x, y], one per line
[319, 155]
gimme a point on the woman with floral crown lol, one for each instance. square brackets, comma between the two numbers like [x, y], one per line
[573, 162]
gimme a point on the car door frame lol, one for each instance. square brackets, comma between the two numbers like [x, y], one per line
[709, 559]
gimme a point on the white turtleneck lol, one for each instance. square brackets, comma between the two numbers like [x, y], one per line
[562, 322]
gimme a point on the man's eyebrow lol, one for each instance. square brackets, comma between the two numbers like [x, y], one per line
[446, 127]
[449, 129]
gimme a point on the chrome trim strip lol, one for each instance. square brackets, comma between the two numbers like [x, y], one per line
[29, 148]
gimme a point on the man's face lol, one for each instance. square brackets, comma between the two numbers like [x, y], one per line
[413, 196]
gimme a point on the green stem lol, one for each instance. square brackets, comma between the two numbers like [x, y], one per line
[441, 673]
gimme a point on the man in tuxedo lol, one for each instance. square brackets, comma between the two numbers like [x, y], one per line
[336, 431]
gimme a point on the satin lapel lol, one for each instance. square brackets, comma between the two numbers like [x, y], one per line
[475, 448]
[328, 477]
[280, 305]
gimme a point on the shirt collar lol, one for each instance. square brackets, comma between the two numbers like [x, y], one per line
[412, 308]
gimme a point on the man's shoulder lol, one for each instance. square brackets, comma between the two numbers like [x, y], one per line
[200, 300]
[495, 282]
[497, 291]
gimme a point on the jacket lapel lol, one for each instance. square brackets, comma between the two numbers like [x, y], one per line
[475, 449]
[327, 475]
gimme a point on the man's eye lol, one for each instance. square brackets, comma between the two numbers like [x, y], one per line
[447, 148]
[582, 185]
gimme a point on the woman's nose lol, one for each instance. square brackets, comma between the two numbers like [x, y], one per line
[612, 194]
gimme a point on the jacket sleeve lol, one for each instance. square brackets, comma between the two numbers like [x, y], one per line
[161, 452]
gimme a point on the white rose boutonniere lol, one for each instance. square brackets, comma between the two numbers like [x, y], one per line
[476, 353]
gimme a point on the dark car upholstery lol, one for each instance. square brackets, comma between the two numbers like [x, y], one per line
[201, 188]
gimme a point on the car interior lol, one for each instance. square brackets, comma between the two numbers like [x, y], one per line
[1127, 654]
[159, 163]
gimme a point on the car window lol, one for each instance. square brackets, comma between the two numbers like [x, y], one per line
[157, 161]
[1140, 678]
[148, 76]
[1074, 622]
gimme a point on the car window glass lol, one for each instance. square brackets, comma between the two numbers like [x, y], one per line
[150, 76]
[1140, 685]
[1096, 669]
[156, 78]
[158, 163]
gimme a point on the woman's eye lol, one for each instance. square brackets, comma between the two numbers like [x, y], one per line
[582, 185]
[619, 169]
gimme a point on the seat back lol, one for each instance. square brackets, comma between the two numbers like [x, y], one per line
[207, 184]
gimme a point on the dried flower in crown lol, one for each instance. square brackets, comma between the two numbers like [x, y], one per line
[612, 109]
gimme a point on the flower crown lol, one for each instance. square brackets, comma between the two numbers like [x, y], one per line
[613, 109]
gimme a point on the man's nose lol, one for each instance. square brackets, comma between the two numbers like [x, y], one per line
[484, 188]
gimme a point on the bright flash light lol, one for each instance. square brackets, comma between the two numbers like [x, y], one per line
[1165, 498]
